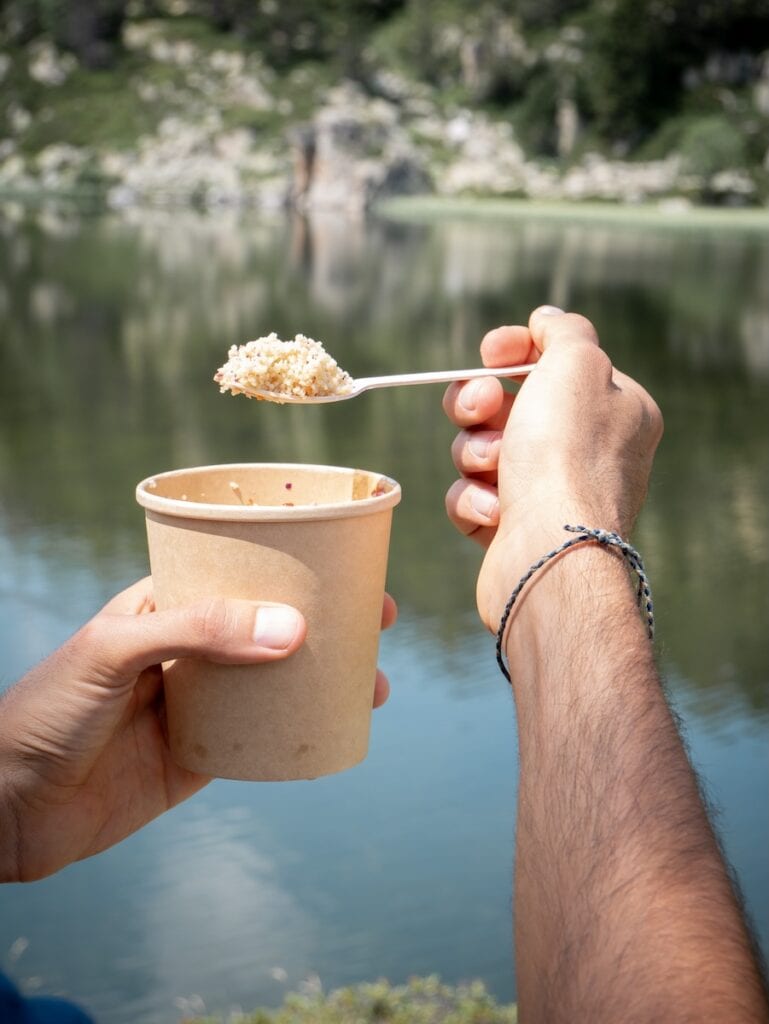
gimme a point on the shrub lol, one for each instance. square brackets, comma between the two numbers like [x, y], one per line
[711, 144]
[421, 1001]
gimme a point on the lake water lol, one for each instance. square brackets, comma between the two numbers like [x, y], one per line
[110, 330]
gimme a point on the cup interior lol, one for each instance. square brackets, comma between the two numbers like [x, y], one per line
[243, 490]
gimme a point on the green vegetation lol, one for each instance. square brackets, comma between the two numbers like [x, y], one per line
[91, 108]
[430, 208]
[422, 1001]
[571, 76]
[90, 29]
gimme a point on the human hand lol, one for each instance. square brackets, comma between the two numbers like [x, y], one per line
[83, 756]
[575, 445]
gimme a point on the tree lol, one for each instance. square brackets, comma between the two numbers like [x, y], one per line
[288, 31]
[91, 29]
[639, 54]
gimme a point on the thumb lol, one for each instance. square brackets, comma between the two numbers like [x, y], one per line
[116, 648]
[550, 326]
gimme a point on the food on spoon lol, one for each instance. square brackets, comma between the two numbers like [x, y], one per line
[282, 369]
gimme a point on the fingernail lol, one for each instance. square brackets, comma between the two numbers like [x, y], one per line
[275, 626]
[550, 310]
[468, 396]
[479, 447]
[484, 503]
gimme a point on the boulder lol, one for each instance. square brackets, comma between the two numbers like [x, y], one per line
[353, 153]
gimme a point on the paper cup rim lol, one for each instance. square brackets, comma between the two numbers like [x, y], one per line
[177, 508]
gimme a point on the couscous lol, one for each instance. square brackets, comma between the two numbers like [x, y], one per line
[300, 368]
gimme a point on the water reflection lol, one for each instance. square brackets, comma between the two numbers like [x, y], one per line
[211, 893]
[111, 330]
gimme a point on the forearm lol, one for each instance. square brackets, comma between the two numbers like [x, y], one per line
[10, 839]
[624, 908]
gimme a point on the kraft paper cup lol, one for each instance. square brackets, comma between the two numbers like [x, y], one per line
[315, 537]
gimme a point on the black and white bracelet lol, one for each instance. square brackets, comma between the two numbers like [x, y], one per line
[584, 533]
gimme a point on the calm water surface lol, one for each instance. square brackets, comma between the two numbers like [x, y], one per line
[109, 333]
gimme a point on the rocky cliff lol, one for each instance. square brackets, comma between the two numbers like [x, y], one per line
[206, 124]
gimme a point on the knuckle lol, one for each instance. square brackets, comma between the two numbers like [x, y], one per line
[450, 397]
[87, 636]
[465, 505]
[452, 497]
[476, 450]
[656, 420]
[595, 360]
[212, 621]
[471, 505]
[92, 650]
[458, 507]
[458, 449]
[581, 325]
[648, 415]
[588, 365]
[89, 640]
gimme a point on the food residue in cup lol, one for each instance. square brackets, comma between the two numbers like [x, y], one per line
[282, 369]
[235, 487]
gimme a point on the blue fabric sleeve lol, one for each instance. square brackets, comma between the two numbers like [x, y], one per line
[18, 1009]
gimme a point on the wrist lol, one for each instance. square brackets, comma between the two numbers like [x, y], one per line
[530, 528]
[512, 554]
[577, 588]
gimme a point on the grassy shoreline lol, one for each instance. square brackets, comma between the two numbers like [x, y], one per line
[430, 209]
[424, 1000]
[433, 208]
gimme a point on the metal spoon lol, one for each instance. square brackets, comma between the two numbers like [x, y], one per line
[362, 384]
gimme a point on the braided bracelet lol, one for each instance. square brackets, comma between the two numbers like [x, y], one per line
[584, 533]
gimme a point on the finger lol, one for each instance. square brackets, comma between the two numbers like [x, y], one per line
[381, 688]
[113, 649]
[508, 346]
[134, 600]
[389, 612]
[477, 451]
[471, 504]
[468, 403]
[149, 685]
[549, 326]
[492, 408]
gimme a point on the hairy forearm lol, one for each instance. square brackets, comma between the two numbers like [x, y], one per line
[9, 831]
[624, 907]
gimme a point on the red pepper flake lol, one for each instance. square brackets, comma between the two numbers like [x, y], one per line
[289, 486]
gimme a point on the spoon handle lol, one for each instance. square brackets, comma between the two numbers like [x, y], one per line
[440, 376]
